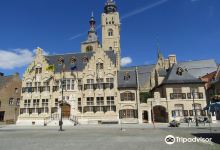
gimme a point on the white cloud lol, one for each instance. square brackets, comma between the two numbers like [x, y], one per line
[143, 9]
[126, 61]
[11, 59]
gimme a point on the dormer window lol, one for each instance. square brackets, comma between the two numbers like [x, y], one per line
[73, 60]
[110, 32]
[127, 76]
[61, 60]
[85, 60]
[179, 71]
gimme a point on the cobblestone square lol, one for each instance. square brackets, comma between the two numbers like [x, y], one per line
[109, 137]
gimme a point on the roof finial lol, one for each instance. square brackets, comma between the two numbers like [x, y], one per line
[92, 15]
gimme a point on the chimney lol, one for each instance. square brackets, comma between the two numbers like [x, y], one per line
[172, 60]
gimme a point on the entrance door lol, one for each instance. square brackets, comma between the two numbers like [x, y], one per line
[66, 110]
[145, 116]
[2, 114]
[160, 114]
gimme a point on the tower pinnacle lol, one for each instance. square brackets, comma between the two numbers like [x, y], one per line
[92, 23]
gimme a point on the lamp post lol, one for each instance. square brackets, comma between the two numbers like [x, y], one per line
[62, 84]
[194, 106]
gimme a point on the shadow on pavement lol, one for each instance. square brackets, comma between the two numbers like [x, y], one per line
[215, 136]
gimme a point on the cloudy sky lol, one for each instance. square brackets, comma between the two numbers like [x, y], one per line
[188, 28]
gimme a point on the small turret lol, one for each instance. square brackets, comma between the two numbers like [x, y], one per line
[110, 7]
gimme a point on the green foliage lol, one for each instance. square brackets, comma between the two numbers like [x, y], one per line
[144, 96]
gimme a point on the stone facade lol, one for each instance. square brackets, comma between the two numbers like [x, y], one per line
[10, 91]
[97, 90]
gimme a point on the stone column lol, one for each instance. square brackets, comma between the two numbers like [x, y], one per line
[140, 118]
[149, 116]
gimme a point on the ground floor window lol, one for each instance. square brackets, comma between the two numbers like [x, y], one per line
[97, 109]
[128, 113]
[199, 112]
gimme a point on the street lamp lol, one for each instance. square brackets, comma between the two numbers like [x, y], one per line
[194, 106]
[62, 84]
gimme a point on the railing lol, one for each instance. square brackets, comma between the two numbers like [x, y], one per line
[74, 119]
[99, 86]
[183, 96]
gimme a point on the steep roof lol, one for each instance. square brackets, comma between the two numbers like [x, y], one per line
[130, 82]
[199, 68]
[79, 64]
[173, 78]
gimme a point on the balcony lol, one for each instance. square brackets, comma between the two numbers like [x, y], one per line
[98, 86]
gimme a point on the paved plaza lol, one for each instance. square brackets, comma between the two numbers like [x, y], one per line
[104, 137]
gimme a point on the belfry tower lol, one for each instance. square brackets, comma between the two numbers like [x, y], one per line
[111, 29]
[92, 42]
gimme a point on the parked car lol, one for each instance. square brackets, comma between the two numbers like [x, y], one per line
[174, 123]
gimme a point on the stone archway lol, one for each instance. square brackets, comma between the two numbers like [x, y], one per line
[66, 108]
[145, 116]
[160, 114]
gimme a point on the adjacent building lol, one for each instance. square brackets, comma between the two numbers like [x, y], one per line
[10, 92]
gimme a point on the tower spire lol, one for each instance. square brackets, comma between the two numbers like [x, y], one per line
[92, 23]
[159, 54]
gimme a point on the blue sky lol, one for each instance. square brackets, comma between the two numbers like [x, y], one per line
[188, 28]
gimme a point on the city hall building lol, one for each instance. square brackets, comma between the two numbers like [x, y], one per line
[96, 89]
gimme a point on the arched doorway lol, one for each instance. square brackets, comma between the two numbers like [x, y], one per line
[65, 110]
[145, 116]
[160, 114]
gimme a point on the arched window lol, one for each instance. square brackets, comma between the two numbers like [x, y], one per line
[110, 32]
[89, 48]
[110, 48]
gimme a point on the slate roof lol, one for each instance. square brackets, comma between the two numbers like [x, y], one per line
[199, 68]
[79, 65]
[144, 75]
[173, 78]
[130, 83]
[162, 72]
